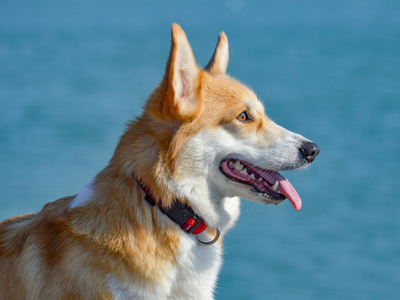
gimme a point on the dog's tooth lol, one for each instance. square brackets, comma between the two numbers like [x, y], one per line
[260, 179]
[244, 172]
[252, 176]
[238, 165]
[275, 186]
[230, 163]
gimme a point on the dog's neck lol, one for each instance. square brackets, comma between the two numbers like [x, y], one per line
[141, 152]
[180, 214]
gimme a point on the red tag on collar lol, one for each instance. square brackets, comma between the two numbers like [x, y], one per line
[202, 226]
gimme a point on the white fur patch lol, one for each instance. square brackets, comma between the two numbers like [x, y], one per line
[136, 289]
[84, 194]
[193, 276]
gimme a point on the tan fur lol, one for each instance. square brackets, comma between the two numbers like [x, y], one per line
[62, 253]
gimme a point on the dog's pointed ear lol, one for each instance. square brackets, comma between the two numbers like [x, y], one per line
[219, 60]
[181, 76]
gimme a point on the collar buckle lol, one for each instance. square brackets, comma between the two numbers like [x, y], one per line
[183, 216]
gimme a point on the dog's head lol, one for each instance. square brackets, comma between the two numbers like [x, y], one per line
[213, 137]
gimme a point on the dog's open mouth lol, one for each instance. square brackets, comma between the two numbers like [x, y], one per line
[269, 184]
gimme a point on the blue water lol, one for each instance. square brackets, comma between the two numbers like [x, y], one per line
[72, 73]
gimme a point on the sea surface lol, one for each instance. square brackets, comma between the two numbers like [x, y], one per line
[72, 73]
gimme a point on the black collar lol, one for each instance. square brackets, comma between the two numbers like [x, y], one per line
[179, 213]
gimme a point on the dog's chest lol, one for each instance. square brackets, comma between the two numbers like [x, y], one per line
[192, 276]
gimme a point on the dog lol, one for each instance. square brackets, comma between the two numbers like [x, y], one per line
[150, 224]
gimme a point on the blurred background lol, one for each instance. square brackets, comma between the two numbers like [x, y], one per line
[72, 73]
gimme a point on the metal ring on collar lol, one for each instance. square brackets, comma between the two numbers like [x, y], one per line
[213, 240]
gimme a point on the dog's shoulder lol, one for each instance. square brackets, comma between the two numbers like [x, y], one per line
[15, 232]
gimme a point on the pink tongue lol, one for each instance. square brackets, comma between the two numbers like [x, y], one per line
[285, 187]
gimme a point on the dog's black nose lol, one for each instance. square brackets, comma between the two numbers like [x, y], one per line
[309, 151]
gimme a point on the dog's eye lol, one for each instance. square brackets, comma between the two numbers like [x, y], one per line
[244, 117]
